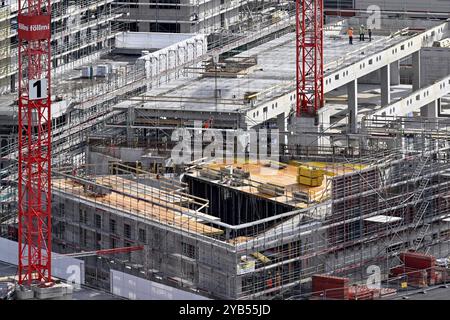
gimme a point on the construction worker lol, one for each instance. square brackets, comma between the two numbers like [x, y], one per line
[350, 35]
[269, 281]
[278, 279]
[362, 31]
[370, 34]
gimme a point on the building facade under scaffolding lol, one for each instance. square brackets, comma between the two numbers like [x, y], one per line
[81, 30]
[198, 16]
[185, 16]
[254, 232]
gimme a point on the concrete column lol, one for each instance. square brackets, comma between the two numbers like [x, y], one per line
[416, 70]
[282, 127]
[352, 92]
[430, 110]
[324, 124]
[385, 86]
[131, 117]
[301, 128]
[395, 73]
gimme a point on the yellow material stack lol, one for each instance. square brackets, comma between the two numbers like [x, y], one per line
[311, 177]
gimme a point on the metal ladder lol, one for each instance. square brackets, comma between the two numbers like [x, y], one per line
[420, 167]
[421, 235]
[422, 186]
[420, 213]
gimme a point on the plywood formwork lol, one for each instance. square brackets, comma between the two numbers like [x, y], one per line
[287, 178]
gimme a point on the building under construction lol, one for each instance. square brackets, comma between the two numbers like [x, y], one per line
[357, 186]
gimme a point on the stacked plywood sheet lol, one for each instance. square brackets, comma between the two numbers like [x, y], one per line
[310, 176]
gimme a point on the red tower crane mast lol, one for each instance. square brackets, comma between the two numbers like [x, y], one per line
[309, 57]
[34, 123]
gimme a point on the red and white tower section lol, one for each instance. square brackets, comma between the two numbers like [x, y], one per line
[34, 154]
[309, 38]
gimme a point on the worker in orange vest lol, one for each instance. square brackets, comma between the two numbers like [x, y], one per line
[350, 35]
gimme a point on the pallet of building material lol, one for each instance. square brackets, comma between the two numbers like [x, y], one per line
[385, 292]
[361, 293]
[301, 196]
[275, 165]
[235, 172]
[310, 172]
[271, 189]
[210, 174]
[240, 173]
[310, 182]
[96, 191]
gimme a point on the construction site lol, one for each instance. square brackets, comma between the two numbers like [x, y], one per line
[243, 150]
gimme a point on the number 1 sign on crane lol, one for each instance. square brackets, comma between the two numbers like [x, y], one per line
[34, 168]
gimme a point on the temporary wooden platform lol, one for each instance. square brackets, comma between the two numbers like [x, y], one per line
[157, 206]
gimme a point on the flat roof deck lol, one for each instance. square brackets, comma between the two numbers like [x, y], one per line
[140, 200]
[273, 75]
[71, 84]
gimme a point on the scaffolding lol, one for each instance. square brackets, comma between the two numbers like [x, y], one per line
[386, 192]
[382, 200]
[80, 29]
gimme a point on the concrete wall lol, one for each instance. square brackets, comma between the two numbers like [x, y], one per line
[434, 64]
